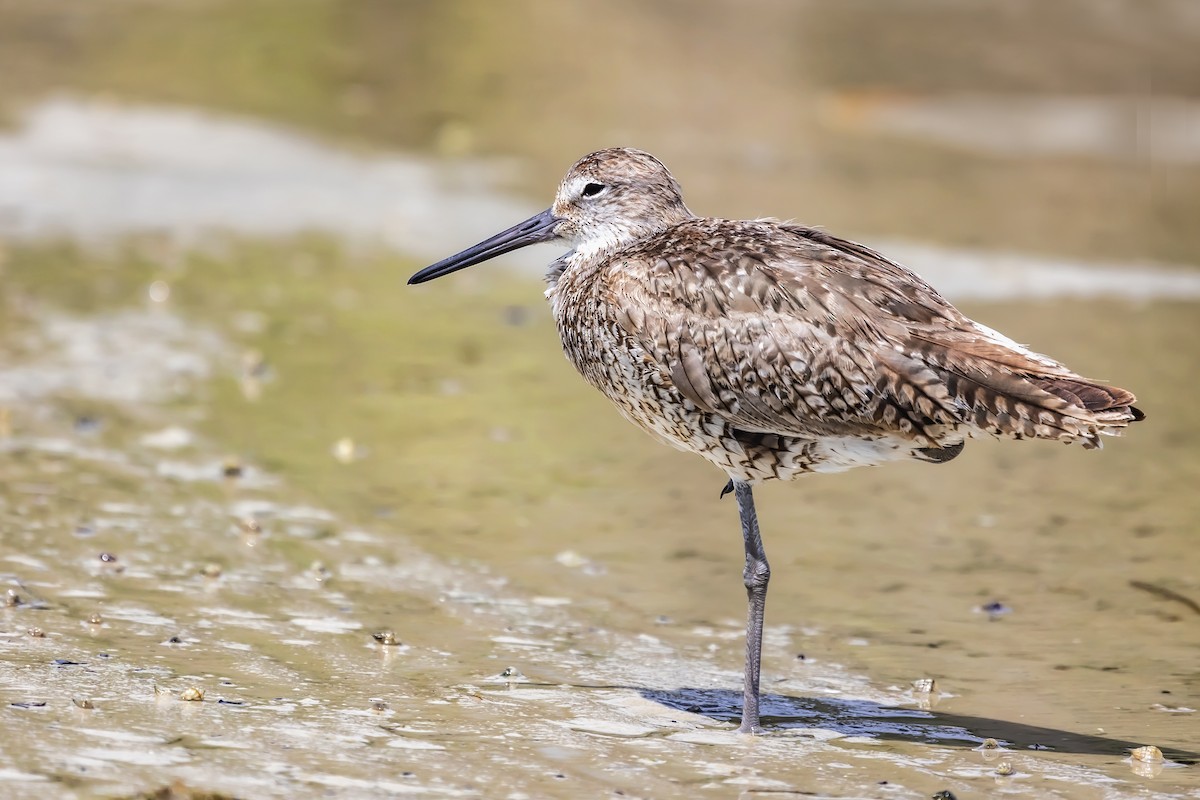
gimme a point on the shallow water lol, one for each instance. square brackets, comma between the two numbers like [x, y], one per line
[624, 648]
[230, 459]
[95, 170]
[1139, 128]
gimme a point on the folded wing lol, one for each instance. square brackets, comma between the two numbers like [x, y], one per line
[812, 336]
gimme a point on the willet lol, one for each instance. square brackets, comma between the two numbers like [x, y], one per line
[773, 350]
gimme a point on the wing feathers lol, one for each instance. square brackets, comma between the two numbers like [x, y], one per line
[787, 330]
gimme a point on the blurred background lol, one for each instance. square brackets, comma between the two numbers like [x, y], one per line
[213, 374]
[877, 119]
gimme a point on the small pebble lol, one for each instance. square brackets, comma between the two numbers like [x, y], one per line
[37, 633]
[1149, 754]
[83, 702]
[989, 744]
[1005, 768]
[379, 706]
[95, 619]
[925, 685]
[11, 599]
[386, 637]
[211, 570]
[249, 525]
[944, 794]
[232, 468]
[159, 292]
[192, 694]
[571, 559]
[344, 450]
[995, 609]
[108, 563]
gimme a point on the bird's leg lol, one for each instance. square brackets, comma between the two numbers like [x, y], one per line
[756, 575]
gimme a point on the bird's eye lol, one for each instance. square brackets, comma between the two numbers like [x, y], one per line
[593, 189]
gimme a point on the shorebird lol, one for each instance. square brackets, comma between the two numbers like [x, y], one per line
[773, 350]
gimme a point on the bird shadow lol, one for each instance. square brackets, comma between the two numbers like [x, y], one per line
[855, 717]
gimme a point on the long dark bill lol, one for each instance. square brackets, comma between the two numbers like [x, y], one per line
[536, 229]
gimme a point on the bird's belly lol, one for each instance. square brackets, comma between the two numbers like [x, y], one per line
[840, 453]
[644, 394]
[674, 420]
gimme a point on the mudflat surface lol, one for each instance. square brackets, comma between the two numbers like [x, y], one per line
[565, 596]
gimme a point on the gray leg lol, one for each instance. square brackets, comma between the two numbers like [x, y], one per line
[755, 576]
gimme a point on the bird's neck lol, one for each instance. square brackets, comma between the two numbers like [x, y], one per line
[601, 241]
[602, 245]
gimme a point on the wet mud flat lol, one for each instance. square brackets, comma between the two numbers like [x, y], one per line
[247, 549]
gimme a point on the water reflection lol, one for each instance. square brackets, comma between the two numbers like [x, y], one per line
[856, 717]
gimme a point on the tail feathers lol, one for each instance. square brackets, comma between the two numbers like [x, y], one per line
[1085, 394]
[1107, 402]
[1068, 409]
[994, 399]
[996, 386]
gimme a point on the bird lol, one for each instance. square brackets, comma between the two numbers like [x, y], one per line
[773, 350]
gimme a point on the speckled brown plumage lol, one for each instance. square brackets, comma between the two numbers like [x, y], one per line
[773, 350]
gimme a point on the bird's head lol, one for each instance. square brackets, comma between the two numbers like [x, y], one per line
[608, 199]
